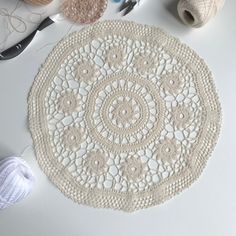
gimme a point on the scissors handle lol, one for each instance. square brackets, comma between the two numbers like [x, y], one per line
[18, 48]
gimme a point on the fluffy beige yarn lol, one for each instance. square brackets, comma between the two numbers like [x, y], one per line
[197, 13]
[38, 2]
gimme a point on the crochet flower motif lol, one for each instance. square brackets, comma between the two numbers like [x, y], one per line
[144, 63]
[181, 116]
[72, 138]
[68, 103]
[124, 113]
[86, 71]
[115, 57]
[96, 162]
[168, 150]
[133, 169]
[171, 83]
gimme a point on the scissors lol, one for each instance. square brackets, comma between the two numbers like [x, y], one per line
[18, 48]
[128, 6]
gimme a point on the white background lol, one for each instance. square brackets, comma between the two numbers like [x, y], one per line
[208, 208]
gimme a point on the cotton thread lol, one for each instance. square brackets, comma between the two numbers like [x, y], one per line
[16, 181]
[197, 13]
[13, 19]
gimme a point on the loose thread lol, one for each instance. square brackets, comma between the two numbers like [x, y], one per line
[11, 17]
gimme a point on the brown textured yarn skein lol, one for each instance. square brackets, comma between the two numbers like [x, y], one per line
[38, 2]
[84, 11]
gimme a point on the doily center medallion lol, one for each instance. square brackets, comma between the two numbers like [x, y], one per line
[129, 116]
[123, 116]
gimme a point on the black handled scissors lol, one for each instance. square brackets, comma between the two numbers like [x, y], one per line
[18, 48]
[128, 6]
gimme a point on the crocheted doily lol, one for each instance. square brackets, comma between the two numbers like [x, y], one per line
[84, 11]
[123, 116]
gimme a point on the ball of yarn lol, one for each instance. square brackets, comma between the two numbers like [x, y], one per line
[85, 12]
[16, 181]
[197, 13]
[38, 2]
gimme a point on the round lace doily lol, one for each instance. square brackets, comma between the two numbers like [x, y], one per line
[123, 116]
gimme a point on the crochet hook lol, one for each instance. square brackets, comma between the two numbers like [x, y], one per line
[18, 48]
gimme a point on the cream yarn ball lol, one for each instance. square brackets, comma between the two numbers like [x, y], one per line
[196, 13]
[16, 181]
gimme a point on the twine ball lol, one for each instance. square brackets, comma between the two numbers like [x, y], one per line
[85, 12]
[196, 13]
[16, 181]
[38, 2]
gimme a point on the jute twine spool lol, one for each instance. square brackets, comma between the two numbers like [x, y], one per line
[196, 13]
[38, 2]
[84, 11]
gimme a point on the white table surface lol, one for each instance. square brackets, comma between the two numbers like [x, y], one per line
[208, 208]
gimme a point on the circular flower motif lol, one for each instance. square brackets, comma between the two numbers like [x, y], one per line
[115, 57]
[168, 150]
[171, 83]
[72, 138]
[96, 162]
[86, 71]
[133, 169]
[181, 116]
[68, 103]
[124, 113]
[144, 63]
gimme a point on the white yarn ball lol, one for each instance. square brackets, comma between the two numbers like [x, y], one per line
[16, 181]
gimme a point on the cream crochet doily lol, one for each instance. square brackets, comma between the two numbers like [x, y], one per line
[123, 116]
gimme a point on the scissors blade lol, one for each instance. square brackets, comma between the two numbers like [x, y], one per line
[130, 8]
[124, 5]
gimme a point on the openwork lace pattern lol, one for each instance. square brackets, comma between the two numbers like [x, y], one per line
[123, 116]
